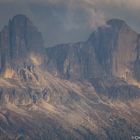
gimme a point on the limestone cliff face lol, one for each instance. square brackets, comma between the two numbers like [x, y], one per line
[37, 105]
[137, 62]
[125, 53]
[111, 50]
[73, 61]
[20, 40]
[115, 46]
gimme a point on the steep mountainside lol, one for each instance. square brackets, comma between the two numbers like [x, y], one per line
[20, 42]
[110, 56]
[82, 91]
[110, 50]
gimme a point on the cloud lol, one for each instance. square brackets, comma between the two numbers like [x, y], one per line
[127, 10]
[77, 12]
[70, 20]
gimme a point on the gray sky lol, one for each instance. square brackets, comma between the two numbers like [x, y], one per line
[63, 21]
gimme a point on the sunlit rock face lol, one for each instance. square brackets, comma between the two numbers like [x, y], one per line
[8, 73]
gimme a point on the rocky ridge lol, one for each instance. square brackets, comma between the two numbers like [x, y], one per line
[83, 91]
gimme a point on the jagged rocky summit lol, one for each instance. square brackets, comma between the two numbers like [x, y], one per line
[20, 43]
[111, 50]
[78, 91]
[110, 55]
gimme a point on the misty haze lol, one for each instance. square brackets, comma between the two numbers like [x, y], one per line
[69, 70]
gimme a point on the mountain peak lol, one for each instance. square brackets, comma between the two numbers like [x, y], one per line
[20, 17]
[116, 22]
[20, 20]
[18, 40]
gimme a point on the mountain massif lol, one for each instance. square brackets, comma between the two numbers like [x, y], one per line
[88, 90]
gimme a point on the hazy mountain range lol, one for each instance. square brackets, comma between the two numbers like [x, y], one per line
[78, 91]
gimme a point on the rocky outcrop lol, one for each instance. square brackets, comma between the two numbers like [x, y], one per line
[115, 47]
[137, 62]
[108, 57]
[20, 42]
[73, 61]
[109, 51]
[80, 91]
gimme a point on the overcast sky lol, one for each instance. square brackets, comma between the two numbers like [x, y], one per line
[63, 21]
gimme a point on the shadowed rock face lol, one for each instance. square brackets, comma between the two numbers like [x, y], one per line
[110, 54]
[109, 51]
[81, 91]
[18, 40]
[73, 61]
[137, 62]
[115, 46]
